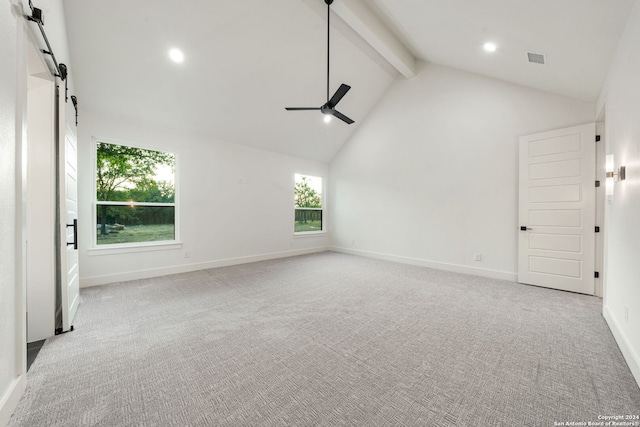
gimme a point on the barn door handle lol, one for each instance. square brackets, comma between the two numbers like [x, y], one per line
[523, 228]
[75, 234]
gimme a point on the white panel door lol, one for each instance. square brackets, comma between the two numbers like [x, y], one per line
[68, 197]
[556, 244]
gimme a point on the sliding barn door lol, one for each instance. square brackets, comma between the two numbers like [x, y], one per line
[68, 216]
[556, 245]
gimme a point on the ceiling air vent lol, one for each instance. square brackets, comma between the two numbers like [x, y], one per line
[536, 58]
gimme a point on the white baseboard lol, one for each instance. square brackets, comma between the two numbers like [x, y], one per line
[625, 346]
[11, 398]
[86, 282]
[456, 268]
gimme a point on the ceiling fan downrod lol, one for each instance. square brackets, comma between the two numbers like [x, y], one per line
[329, 107]
[328, 2]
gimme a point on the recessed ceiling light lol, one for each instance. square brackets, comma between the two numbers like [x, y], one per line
[490, 47]
[327, 118]
[176, 55]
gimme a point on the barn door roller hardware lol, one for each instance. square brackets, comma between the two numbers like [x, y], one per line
[74, 101]
[59, 70]
[38, 18]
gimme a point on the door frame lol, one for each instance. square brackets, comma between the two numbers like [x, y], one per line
[26, 38]
[25, 35]
[601, 152]
[40, 196]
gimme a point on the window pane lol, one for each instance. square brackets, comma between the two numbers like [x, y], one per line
[131, 224]
[134, 174]
[308, 191]
[308, 220]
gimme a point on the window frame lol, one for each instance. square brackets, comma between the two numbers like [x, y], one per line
[323, 209]
[97, 249]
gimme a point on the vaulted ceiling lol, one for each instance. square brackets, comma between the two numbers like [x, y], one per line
[246, 60]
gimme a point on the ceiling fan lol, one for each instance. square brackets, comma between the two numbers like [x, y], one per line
[329, 108]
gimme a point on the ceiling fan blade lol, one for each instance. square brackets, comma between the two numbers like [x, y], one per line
[342, 117]
[342, 91]
[301, 108]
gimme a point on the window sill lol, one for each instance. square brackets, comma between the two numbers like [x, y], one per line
[139, 247]
[309, 234]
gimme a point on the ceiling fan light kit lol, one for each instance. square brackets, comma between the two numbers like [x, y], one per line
[329, 107]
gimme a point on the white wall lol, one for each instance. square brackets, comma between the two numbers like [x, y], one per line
[11, 379]
[431, 176]
[236, 203]
[621, 100]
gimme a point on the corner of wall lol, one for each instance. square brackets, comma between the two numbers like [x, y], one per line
[10, 400]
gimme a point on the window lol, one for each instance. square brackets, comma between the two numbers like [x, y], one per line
[308, 204]
[135, 195]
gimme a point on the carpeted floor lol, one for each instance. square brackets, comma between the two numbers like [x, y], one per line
[328, 340]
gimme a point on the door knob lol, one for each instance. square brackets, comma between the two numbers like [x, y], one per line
[523, 228]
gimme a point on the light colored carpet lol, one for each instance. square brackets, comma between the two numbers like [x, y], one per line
[328, 340]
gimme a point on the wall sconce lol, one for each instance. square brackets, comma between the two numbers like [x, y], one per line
[613, 175]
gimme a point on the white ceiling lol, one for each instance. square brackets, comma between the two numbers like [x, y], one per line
[246, 60]
[578, 38]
